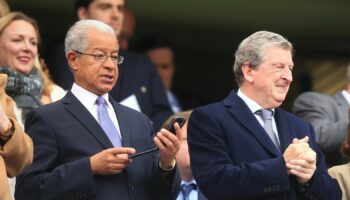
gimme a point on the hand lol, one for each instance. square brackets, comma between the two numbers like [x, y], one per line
[296, 149]
[111, 161]
[4, 122]
[168, 144]
[303, 167]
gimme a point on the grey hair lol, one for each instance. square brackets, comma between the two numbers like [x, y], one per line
[251, 50]
[76, 38]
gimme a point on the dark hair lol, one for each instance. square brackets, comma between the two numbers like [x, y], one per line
[81, 3]
[153, 41]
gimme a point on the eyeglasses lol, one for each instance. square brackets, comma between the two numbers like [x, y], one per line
[102, 57]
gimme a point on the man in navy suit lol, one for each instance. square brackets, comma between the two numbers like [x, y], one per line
[139, 85]
[246, 147]
[76, 156]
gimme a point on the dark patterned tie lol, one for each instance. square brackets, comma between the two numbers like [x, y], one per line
[266, 116]
[106, 123]
[186, 190]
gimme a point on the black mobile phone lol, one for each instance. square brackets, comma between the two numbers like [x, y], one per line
[180, 120]
[170, 127]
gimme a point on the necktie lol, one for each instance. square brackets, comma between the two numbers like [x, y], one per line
[266, 116]
[107, 124]
[186, 190]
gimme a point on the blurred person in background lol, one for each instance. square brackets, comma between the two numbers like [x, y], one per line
[189, 189]
[138, 86]
[4, 8]
[328, 115]
[342, 172]
[28, 86]
[128, 29]
[161, 52]
[16, 148]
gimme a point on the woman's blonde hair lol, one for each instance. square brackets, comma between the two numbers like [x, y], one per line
[44, 73]
[4, 8]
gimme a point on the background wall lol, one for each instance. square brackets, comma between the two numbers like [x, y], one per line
[206, 34]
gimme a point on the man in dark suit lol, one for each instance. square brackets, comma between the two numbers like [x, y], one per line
[245, 147]
[82, 142]
[138, 86]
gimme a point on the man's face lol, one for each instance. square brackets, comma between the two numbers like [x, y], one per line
[272, 78]
[110, 12]
[98, 77]
[163, 58]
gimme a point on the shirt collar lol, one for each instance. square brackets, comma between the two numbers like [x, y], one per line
[252, 105]
[86, 97]
[346, 95]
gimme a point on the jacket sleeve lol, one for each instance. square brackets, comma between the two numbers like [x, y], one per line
[45, 178]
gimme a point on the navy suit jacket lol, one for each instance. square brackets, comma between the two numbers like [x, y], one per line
[66, 135]
[232, 157]
[137, 75]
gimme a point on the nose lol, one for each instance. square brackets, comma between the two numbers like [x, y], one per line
[109, 63]
[287, 75]
[116, 12]
[28, 47]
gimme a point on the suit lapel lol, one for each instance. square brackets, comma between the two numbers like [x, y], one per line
[201, 195]
[81, 114]
[284, 129]
[240, 111]
[123, 123]
[339, 98]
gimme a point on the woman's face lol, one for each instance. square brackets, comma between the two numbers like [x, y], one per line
[19, 46]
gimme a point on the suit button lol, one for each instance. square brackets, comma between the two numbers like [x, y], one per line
[131, 187]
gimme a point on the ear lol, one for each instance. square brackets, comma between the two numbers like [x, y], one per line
[72, 60]
[82, 13]
[247, 72]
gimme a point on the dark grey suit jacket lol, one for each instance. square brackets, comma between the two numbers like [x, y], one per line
[66, 135]
[329, 116]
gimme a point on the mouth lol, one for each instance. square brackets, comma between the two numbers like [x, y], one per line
[107, 78]
[24, 59]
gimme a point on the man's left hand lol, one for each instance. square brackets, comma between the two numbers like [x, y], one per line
[168, 144]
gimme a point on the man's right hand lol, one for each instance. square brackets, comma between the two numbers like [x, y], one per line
[111, 161]
[296, 149]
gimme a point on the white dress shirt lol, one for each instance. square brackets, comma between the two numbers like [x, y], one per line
[253, 106]
[88, 99]
[193, 194]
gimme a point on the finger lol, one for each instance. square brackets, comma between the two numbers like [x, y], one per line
[178, 130]
[122, 150]
[167, 134]
[164, 140]
[305, 139]
[295, 140]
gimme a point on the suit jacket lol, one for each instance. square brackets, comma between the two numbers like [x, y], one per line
[137, 75]
[329, 117]
[66, 135]
[17, 153]
[232, 157]
[342, 174]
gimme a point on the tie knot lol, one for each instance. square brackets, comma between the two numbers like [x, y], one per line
[265, 114]
[187, 188]
[100, 101]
